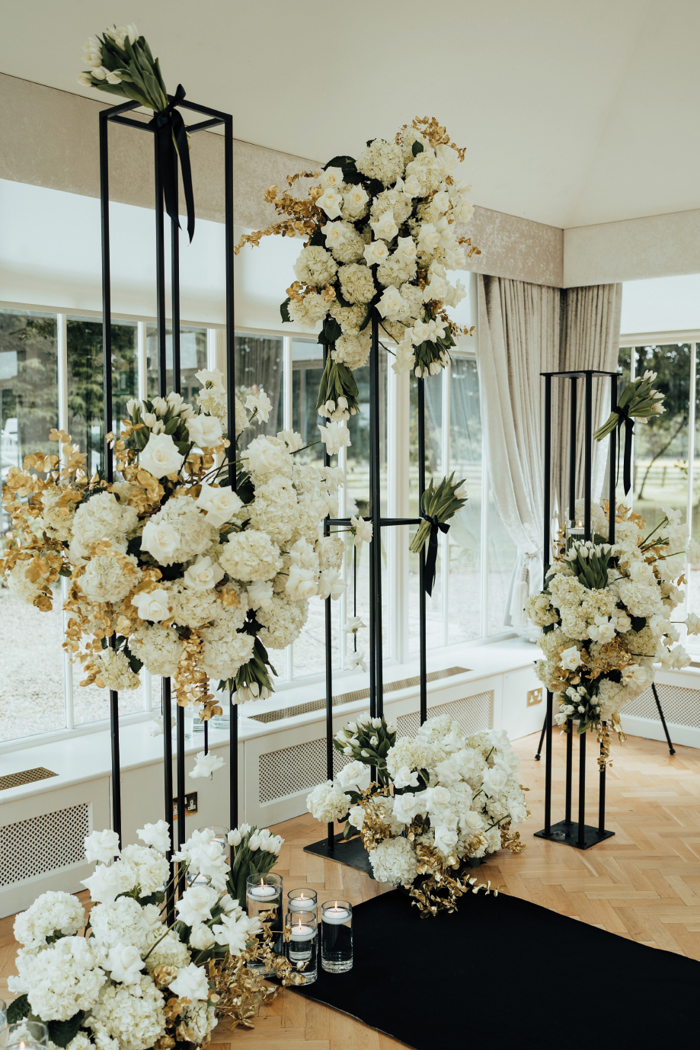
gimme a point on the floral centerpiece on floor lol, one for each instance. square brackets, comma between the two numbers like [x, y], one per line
[128, 981]
[381, 236]
[443, 802]
[169, 566]
[605, 616]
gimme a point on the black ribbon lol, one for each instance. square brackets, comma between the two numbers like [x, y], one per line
[171, 138]
[623, 416]
[431, 558]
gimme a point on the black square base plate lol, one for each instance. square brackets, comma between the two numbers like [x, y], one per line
[566, 831]
[345, 851]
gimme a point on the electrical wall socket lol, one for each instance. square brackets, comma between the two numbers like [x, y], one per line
[535, 696]
[190, 804]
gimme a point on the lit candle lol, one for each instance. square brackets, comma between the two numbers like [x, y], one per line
[302, 932]
[575, 532]
[262, 892]
[335, 915]
[302, 903]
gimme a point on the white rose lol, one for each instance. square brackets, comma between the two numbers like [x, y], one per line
[356, 817]
[125, 963]
[331, 178]
[156, 835]
[406, 777]
[160, 539]
[160, 456]
[356, 199]
[376, 252]
[495, 780]
[203, 574]
[428, 238]
[191, 983]
[352, 775]
[392, 305]
[211, 378]
[201, 938]
[101, 846]
[406, 248]
[331, 203]
[445, 839]
[196, 904]
[301, 583]
[570, 658]
[219, 504]
[335, 234]
[263, 457]
[385, 227]
[464, 211]
[152, 605]
[411, 186]
[204, 431]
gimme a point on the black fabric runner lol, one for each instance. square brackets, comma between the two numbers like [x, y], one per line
[503, 973]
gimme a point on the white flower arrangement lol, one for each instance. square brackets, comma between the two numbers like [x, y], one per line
[381, 238]
[605, 616]
[129, 981]
[443, 802]
[169, 567]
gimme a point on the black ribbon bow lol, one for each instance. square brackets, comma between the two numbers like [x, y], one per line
[171, 138]
[623, 416]
[431, 558]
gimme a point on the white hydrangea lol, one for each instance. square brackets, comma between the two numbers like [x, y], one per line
[309, 310]
[132, 1015]
[281, 621]
[158, 648]
[114, 670]
[352, 350]
[57, 514]
[62, 979]
[315, 266]
[166, 950]
[350, 318]
[394, 861]
[102, 517]
[226, 649]
[109, 579]
[177, 533]
[54, 912]
[20, 583]
[273, 511]
[356, 283]
[193, 608]
[148, 869]
[125, 921]
[328, 802]
[381, 160]
[250, 555]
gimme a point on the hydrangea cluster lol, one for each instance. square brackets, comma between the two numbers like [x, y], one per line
[443, 799]
[382, 238]
[129, 983]
[605, 615]
[171, 566]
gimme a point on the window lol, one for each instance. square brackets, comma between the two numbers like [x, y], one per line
[51, 375]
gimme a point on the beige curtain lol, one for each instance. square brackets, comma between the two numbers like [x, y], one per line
[524, 330]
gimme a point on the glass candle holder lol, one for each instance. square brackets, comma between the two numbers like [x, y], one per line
[336, 936]
[302, 901]
[25, 1034]
[264, 900]
[220, 836]
[302, 944]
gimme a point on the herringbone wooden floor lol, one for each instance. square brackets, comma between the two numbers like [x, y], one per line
[643, 884]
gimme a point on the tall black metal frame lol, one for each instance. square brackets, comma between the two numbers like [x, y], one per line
[212, 118]
[335, 847]
[575, 833]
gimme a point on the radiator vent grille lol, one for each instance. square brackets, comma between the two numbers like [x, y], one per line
[294, 769]
[34, 847]
[473, 714]
[679, 705]
[27, 776]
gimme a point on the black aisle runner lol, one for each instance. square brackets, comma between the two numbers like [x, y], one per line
[504, 973]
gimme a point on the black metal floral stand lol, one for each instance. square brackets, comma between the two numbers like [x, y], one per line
[211, 118]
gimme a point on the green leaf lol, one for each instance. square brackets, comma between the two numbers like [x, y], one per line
[61, 1032]
[284, 309]
[18, 1010]
[417, 148]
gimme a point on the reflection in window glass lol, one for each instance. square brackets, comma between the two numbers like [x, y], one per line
[193, 356]
[464, 537]
[307, 370]
[260, 366]
[85, 379]
[31, 684]
[502, 554]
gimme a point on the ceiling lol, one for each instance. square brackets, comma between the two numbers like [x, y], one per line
[573, 112]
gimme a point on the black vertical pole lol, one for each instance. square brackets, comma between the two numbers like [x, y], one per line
[180, 711]
[330, 830]
[546, 555]
[422, 639]
[375, 514]
[612, 507]
[107, 452]
[573, 421]
[569, 767]
[588, 482]
[166, 695]
[231, 387]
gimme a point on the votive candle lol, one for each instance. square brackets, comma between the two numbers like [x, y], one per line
[336, 936]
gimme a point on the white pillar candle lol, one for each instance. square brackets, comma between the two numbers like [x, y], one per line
[262, 892]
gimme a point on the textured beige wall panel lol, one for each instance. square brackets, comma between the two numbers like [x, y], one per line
[50, 138]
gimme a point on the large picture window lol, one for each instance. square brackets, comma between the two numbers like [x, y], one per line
[51, 375]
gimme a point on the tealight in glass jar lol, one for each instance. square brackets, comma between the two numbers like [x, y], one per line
[336, 936]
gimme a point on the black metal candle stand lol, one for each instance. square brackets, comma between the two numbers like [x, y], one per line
[212, 118]
[575, 833]
[351, 852]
